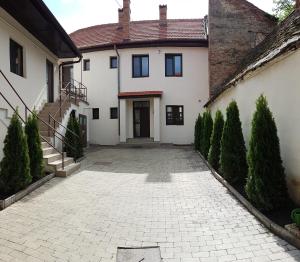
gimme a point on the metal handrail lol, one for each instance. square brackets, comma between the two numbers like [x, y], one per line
[62, 138]
[60, 124]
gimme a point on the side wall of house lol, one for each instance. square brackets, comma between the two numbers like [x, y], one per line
[279, 82]
[33, 86]
[191, 90]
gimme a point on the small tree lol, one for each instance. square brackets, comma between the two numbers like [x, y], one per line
[266, 185]
[233, 151]
[206, 133]
[198, 132]
[35, 148]
[215, 148]
[74, 146]
[15, 165]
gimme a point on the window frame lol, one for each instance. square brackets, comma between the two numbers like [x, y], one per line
[13, 43]
[95, 116]
[173, 55]
[176, 122]
[110, 62]
[112, 116]
[141, 65]
[84, 65]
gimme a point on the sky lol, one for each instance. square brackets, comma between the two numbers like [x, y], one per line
[76, 14]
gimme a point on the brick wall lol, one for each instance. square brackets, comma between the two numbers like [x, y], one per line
[235, 26]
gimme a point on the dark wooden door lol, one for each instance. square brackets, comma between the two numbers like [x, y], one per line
[50, 81]
[141, 119]
[83, 129]
[67, 75]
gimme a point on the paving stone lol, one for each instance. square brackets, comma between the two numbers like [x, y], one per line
[146, 197]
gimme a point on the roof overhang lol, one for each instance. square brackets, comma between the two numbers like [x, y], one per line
[35, 17]
[147, 43]
[140, 94]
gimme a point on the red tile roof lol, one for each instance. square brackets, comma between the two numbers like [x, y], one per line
[140, 94]
[140, 31]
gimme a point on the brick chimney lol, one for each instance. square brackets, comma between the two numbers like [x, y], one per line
[126, 20]
[297, 3]
[163, 14]
[120, 12]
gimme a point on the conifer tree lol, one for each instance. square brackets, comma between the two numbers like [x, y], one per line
[266, 185]
[78, 143]
[15, 165]
[74, 147]
[206, 133]
[233, 151]
[215, 147]
[198, 132]
[34, 147]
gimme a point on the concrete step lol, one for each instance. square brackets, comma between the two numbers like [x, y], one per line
[57, 164]
[68, 170]
[48, 150]
[51, 158]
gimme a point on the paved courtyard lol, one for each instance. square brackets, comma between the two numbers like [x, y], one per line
[133, 198]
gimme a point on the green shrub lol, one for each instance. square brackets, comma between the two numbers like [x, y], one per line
[74, 146]
[198, 132]
[266, 185]
[233, 151]
[35, 148]
[215, 147]
[206, 133]
[15, 165]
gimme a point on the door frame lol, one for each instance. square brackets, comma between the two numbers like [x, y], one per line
[83, 135]
[50, 86]
[134, 107]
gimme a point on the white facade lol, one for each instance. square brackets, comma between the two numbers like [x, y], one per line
[279, 82]
[190, 91]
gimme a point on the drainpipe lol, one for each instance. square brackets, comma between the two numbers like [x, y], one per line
[119, 82]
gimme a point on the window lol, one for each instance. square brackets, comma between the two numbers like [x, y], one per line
[95, 113]
[113, 113]
[140, 66]
[174, 115]
[113, 62]
[16, 58]
[173, 65]
[86, 65]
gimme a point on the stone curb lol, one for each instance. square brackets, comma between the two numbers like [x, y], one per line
[16, 197]
[272, 226]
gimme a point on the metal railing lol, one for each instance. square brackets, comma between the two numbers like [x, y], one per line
[56, 134]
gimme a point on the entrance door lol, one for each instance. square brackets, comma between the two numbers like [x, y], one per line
[67, 75]
[83, 129]
[50, 81]
[141, 118]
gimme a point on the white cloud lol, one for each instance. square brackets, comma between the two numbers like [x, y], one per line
[83, 13]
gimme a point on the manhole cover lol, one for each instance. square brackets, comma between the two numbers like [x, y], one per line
[144, 254]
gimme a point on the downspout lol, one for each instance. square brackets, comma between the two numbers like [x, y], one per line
[119, 84]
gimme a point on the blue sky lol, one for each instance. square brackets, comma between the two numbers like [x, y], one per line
[76, 14]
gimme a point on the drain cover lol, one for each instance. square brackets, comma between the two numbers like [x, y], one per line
[144, 254]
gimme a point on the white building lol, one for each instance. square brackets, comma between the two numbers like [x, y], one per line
[146, 79]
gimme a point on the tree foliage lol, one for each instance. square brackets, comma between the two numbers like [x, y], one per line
[283, 8]
[197, 134]
[207, 126]
[266, 185]
[233, 151]
[15, 165]
[214, 152]
[74, 147]
[34, 147]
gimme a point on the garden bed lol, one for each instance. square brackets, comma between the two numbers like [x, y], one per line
[9, 200]
[275, 222]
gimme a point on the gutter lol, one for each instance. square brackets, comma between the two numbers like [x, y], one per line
[119, 83]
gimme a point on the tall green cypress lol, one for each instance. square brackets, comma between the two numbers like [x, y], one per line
[78, 143]
[206, 133]
[215, 148]
[15, 165]
[266, 185]
[198, 132]
[233, 151]
[35, 147]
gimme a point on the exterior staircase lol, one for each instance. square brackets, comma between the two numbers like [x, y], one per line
[52, 159]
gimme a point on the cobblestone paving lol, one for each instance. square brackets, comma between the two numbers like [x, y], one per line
[137, 197]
